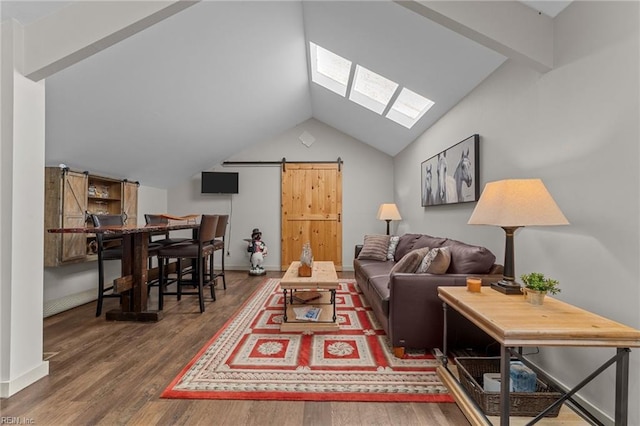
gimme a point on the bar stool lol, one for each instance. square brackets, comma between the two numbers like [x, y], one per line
[199, 249]
[219, 244]
[109, 248]
[157, 219]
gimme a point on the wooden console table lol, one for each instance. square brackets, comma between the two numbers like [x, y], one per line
[514, 323]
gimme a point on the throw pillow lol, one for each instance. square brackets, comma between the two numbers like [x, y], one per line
[410, 261]
[393, 243]
[374, 247]
[436, 261]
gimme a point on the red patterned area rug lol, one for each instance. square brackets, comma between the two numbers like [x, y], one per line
[249, 358]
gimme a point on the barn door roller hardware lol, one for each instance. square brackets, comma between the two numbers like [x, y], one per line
[281, 163]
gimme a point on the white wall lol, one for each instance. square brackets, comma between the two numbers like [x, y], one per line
[22, 190]
[151, 201]
[576, 127]
[367, 181]
[68, 286]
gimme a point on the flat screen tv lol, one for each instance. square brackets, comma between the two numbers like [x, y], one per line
[219, 183]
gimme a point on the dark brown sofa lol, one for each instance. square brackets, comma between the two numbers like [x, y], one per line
[407, 304]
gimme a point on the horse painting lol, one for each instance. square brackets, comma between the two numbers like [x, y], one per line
[427, 191]
[463, 174]
[446, 192]
[441, 185]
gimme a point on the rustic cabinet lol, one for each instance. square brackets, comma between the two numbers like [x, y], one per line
[70, 197]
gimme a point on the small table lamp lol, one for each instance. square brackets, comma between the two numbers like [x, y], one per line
[388, 212]
[512, 204]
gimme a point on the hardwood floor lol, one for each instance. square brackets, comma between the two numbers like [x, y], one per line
[112, 373]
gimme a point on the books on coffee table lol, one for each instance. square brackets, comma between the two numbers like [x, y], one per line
[307, 313]
[306, 296]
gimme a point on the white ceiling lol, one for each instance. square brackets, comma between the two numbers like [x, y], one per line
[187, 93]
[548, 7]
[27, 12]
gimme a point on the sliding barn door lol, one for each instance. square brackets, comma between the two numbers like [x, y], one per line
[312, 211]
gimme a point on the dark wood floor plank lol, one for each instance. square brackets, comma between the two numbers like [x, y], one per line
[107, 373]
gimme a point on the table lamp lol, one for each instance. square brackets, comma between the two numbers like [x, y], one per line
[388, 212]
[512, 204]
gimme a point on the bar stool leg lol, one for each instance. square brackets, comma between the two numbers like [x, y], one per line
[224, 280]
[161, 285]
[201, 283]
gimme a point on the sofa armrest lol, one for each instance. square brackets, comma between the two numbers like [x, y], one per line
[415, 310]
[357, 250]
[496, 269]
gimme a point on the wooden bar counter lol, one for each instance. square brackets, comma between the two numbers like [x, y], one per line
[135, 245]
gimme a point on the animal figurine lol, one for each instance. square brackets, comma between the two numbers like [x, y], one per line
[258, 250]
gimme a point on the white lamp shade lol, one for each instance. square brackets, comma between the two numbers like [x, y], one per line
[517, 202]
[388, 212]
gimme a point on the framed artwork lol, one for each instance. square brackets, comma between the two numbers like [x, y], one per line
[453, 175]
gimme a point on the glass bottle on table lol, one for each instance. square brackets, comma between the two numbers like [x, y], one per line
[306, 257]
[306, 261]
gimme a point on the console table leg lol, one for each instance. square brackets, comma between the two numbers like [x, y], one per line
[444, 335]
[622, 386]
[505, 365]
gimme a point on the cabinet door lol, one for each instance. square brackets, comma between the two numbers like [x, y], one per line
[130, 202]
[74, 206]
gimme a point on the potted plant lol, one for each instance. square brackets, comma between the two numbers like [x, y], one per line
[537, 286]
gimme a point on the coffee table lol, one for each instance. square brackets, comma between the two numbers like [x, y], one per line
[324, 280]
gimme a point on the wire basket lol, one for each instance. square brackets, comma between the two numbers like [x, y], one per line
[525, 404]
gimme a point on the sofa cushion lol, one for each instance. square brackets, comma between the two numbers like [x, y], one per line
[375, 247]
[410, 242]
[428, 241]
[410, 262]
[469, 259]
[437, 261]
[393, 244]
[372, 268]
[405, 245]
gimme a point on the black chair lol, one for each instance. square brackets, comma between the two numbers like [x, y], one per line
[199, 249]
[219, 244]
[109, 248]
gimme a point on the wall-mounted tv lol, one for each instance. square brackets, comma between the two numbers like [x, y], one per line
[219, 183]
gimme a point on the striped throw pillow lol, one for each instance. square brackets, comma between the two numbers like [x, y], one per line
[374, 248]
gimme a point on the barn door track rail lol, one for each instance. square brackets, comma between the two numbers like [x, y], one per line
[281, 163]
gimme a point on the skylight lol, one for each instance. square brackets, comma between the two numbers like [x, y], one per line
[368, 89]
[372, 90]
[408, 108]
[329, 70]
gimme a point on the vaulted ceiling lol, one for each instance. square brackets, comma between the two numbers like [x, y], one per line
[188, 92]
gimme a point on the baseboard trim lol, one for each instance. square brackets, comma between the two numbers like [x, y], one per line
[12, 387]
[71, 301]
